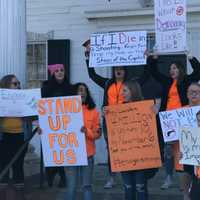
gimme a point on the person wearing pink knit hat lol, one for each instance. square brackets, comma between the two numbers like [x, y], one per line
[57, 85]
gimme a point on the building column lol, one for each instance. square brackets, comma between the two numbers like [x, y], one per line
[13, 38]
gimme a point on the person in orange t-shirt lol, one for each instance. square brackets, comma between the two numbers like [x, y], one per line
[92, 131]
[174, 95]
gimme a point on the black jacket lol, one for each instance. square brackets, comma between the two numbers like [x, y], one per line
[166, 82]
[105, 83]
[52, 88]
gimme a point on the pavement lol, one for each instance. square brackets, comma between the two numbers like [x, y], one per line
[34, 192]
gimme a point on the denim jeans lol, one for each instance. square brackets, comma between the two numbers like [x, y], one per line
[168, 159]
[135, 185]
[86, 173]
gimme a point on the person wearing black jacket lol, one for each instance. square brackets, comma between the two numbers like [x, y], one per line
[174, 95]
[56, 86]
[112, 93]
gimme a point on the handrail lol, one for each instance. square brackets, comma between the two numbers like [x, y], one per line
[5, 170]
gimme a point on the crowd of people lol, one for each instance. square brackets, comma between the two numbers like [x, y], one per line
[178, 90]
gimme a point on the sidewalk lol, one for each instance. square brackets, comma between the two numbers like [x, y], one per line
[33, 192]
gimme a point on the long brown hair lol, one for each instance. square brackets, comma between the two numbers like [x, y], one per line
[6, 81]
[180, 68]
[134, 87]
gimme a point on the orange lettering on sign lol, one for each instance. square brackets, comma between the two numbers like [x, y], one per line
[59, 107]
[50, 102]
[67, 105]
[55, 158]
[72, 139]
[77, 105]
[51, 124]
[71, 157]
[66, 120]
[41, 107]
[52, 137]
[62, 140]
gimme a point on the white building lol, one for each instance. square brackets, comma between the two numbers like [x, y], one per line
[77, 19]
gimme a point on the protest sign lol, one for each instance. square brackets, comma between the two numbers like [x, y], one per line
[170, 25]
[118, 49]
[61, 120]
[171, 121]
[190, 146]
[132, 136]
[19, 103]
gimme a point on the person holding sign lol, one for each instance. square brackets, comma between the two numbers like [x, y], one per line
[173, 97]
[135, 181]
[56, 86]
[193, 173]
[14, 131]
[112, 95]
[92, 131]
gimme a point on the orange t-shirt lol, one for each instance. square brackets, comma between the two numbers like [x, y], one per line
[92, 124]
[173, 101]
[115, 95]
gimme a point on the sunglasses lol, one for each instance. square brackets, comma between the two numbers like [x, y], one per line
[17, 83]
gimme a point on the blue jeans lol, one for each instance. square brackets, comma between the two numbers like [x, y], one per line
[86, 173]
[135, 185]
[168, 159]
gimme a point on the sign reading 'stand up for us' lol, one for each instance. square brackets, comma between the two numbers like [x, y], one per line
[118, 49]
[170, 25]
[61, 119]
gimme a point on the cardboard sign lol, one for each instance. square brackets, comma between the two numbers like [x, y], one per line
[132, 136]
[61, 119]
[19, 103]
[190, 146]
[118, 49]
[171, 121]
[170, 25]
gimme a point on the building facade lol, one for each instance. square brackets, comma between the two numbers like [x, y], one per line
[76, 20]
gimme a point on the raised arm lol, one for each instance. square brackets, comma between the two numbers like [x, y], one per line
[153, 68]
[99, 80]
[195, 75]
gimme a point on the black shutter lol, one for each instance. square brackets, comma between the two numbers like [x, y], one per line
[59, 53]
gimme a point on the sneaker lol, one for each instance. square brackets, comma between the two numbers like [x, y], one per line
[167, 184]
[109, 184]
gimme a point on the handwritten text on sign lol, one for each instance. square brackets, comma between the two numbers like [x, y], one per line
[19, 103]
[170, 25]
[61, 120]
[171, 121]
[118, 49]
[132, 136]
[190, 146]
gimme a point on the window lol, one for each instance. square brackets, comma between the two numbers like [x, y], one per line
[36, 63]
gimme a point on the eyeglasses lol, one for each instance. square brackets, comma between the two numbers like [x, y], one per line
[17, 83]
[193, 92]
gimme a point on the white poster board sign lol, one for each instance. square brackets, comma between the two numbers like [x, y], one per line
[61, 119]
[19, 103]
[190, 146]
[171, 121]
[118, 49]
[170, 25]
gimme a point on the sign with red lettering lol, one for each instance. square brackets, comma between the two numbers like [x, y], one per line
[170, 25]
[63, 143]
[118, 49]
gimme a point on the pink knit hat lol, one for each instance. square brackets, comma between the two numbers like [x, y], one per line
[53, 68]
